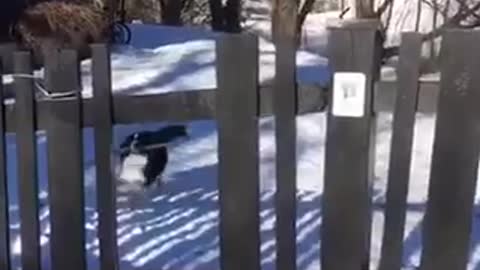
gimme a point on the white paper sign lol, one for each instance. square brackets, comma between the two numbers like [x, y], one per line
[349, 94]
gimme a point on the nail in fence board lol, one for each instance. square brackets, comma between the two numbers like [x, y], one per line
[238, 169]
[285, 96]
[106, 202]
[345, 232]
[65, 160]
[27, 161]
[4, 217]
[408, 72]
[448, 218]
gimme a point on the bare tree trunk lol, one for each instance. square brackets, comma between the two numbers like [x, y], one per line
[365, 8]
[226, 18]
[232, 16]
[216, 9]
[171, 12]
[388, 20]
[302, 16]
[284, 20]
[419, 15]
[434, 22]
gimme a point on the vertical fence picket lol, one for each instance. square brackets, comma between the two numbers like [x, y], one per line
[27, 161]
[106, 202]
[65, 164]
[4, 217]
[6, 56]
[453, 175]
[238, 168]
[408, 73]
[345, 231]
[285, 101]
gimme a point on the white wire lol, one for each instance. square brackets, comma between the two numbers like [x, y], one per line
[42, 89]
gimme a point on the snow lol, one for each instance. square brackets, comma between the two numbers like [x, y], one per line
[176, 226]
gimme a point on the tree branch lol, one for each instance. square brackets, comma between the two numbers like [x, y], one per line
[453, 21]
[304, 10]
[383, 7]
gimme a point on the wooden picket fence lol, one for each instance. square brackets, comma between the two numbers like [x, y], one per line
[236, 105]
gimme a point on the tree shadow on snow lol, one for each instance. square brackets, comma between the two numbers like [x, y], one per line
[412, 243]
[178, 228]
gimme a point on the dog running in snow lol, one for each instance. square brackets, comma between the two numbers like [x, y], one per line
[143, 156]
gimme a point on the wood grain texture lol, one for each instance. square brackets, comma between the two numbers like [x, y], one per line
[453, 175]
[408, 71]
[65, 167]
[345, 232]
[178, 106]
[238, 158]
[285, 101]
[27, 163]
[103, 132]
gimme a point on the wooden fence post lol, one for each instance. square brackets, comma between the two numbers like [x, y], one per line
[353, 47]
[453, 175]
[106, 192]
[285, 110]
[65, 163]
[238, 159]
[408, 72]
[4, 216]
[6, 56]
[27, 161]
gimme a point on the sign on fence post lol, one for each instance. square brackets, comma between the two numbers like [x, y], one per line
[354, 58]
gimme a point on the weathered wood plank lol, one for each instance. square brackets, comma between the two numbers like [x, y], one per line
[106, 192]
[311, 98]
[65, 167]
[6, 56]
[345, 232]
[408, 71]
[453, 175]
[285, 100]
[4, 217]
[27, 162]
[238, 169]
[178, 106]
[284, 33]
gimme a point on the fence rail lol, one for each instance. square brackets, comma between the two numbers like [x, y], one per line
[236, 106]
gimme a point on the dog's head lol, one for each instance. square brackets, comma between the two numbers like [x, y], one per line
[140, 142]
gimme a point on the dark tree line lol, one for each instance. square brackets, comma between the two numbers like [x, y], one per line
[223, 17]
[10, 10]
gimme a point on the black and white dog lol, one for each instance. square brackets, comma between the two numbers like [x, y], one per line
[143, 156]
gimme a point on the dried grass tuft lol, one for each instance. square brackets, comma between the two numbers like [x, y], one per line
[61, 25]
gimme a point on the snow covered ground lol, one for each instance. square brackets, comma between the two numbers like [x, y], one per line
[178, 227]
